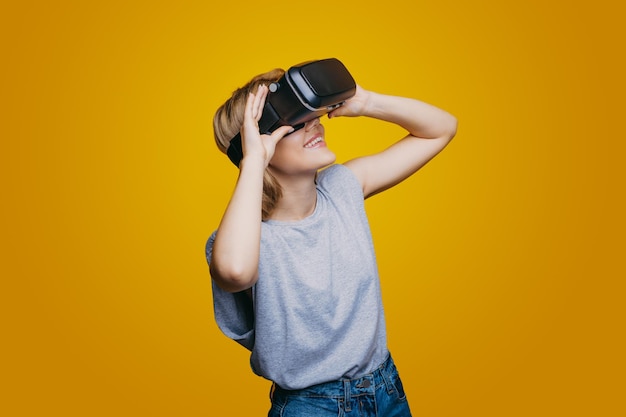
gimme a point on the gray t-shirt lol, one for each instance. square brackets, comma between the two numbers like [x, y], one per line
[316, 312]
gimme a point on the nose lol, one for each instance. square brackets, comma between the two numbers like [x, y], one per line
[311, 124]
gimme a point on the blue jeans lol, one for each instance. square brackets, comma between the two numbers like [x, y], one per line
[378, 394]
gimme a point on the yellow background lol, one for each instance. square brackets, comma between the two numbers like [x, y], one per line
[501, 261]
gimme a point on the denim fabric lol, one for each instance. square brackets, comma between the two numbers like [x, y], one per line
[377, 394]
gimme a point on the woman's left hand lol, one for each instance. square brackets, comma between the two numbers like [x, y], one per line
[354, 106]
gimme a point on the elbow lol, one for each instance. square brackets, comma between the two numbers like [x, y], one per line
[233, 278]
[451, 127]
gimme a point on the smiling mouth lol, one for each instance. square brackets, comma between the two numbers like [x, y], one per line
[313, 142]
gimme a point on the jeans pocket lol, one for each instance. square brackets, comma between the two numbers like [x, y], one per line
[278, 404]
[399, 389]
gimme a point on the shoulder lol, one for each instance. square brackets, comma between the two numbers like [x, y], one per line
[340, 185]
[338, 177]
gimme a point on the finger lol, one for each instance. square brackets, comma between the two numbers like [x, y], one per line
[337, 112]
[280, 133]
[249, 106]
[259, 102]
[255, 103]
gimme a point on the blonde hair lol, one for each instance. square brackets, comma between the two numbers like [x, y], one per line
[227, 122]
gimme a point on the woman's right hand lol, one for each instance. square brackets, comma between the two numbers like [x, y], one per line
[235, 259]
[256, 145]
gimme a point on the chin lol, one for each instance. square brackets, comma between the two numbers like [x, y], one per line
[329, 158]
[312, 161]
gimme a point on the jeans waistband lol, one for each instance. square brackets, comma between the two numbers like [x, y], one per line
[346, 388]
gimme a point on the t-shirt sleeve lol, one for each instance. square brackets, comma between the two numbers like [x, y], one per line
[234, 312]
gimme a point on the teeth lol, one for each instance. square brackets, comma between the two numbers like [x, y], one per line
[313, 142]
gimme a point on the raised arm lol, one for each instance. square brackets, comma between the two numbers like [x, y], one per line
[235, 257]
[429, 131]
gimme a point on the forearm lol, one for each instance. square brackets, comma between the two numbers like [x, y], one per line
[429, 131]
[420, 119]
[235, 257]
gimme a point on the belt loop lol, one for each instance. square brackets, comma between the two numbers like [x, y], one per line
[388, 383]
[346, 395]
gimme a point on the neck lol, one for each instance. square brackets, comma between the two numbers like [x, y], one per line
[298, 201]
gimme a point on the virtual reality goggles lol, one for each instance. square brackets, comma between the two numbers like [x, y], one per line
[306, 91]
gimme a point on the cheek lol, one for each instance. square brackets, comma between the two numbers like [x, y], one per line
[288, 148]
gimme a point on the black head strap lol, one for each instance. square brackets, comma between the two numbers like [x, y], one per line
[235, 151]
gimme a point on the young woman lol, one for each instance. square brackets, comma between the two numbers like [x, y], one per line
[294, 273]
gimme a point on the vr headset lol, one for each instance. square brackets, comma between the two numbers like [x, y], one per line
[306, 91]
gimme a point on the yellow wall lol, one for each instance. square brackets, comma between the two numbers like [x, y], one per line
[501, 261]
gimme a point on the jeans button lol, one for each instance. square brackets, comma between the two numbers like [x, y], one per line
[365, 384]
